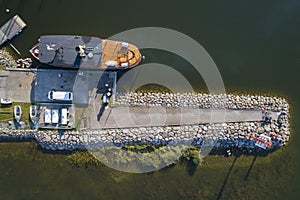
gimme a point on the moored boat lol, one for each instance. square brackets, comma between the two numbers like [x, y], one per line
[17, 113]
[70, 51]
[33, 113]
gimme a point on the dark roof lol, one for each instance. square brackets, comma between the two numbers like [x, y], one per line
[60, 50]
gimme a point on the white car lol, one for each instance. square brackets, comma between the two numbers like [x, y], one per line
[60, 96]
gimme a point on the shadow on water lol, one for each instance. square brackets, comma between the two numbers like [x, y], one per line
[192, 168]
[41, 5]
[56, 152]
[186, 164]
[4, 4]
[250, 168]
[238, 152]
[225, 181]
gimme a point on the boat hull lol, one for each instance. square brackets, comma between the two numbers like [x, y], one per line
[33, 114]
[17, 113]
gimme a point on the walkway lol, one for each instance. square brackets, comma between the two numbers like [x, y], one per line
[120, 117]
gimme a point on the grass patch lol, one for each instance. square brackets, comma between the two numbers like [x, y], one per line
[7, 112]
[12, 52]
[25, 111]
[79, 112]
[2, 67]
[82, 159]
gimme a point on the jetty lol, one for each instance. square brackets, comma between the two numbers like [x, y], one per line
[11, 28]
[250, 123]
[140, 116]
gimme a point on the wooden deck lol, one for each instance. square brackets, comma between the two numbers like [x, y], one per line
[11, 28]
[124, 54]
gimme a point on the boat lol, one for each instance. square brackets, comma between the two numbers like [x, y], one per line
[6, 101]
[33, 113]
[85, 52]
[263, 141]
[17, 113]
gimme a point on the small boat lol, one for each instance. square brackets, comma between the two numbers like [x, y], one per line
[6, 101]
[85, 52]
[33, 113]
[17, 113]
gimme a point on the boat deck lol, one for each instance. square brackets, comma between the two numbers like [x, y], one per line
[86, 52]
[124, 54]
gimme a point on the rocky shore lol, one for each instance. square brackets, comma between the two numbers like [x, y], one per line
[6, 59]
[215, 136]
[225, 135]
[8, 135]
[199, 100]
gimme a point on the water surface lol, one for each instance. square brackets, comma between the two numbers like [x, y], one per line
[255, 45]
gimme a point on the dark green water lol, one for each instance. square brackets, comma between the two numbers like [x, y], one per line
[255, 45]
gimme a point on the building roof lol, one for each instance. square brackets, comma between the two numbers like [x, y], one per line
[56, 116]
[70, 50]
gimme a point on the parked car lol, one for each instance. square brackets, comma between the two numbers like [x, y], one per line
[60, 96]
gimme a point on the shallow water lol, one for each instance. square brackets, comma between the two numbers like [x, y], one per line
[255, 46]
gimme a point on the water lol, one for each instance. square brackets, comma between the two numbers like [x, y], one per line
[255, 46]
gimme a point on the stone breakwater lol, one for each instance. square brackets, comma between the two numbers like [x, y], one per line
[214, 136]
[16, 135]
[222, 135]
[199, 100]
[6, 59]
[219, 136]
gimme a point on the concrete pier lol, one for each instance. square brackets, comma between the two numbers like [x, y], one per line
[124, 117]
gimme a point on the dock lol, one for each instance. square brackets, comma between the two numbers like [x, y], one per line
[11, 28]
